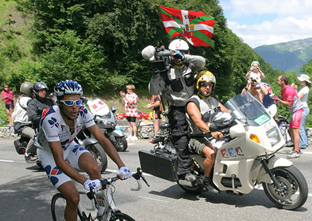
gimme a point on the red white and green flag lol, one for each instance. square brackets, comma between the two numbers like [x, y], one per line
[196, 27]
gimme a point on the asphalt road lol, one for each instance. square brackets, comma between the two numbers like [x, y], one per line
[26, 192]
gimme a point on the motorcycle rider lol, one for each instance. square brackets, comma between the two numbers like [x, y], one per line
[199, 109]
[35, 108]
[60, 154]
[178, 85]
[22, 125]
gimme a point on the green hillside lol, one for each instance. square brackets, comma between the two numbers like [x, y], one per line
[289, 56]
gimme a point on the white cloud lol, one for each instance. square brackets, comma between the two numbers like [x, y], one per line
[292, 20]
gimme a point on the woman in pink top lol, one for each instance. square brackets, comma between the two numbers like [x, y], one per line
[131, 105]
[7, 96]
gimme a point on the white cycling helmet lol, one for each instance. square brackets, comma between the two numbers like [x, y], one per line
[179, 44]
[67, 87]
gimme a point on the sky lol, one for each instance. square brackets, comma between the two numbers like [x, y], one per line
[266, 22]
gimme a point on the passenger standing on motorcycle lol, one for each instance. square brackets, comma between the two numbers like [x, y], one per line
[255, 69]
[60, 154]
[255, 87]
[199, 109]
[34, 111]
[261, 91]
[290, 99]
[178, 86]
[130, 100]
[22, 125]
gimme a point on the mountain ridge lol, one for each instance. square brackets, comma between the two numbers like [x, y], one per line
[287, 56]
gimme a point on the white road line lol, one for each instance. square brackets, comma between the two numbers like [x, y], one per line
[8, 161]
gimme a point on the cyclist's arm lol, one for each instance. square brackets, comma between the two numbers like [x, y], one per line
[106, 144]
[57, 152]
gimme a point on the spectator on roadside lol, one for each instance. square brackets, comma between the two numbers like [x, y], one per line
[130, 99]
[255, 69]
[303, 95]
[261, 91]
[156, 106]
[290, 99]
[8, 97]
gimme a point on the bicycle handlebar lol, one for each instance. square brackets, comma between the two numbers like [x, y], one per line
[108, 181]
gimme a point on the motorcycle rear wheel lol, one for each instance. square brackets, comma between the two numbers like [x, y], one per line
[99, 155]
[294, 191]
[121, 144]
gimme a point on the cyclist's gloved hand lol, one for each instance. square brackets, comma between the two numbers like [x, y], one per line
[95, 184]
[124, 172]
[178, 55]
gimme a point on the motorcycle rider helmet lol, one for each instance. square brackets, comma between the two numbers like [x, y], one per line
[27, 89]
[38, 87]
[67, 87]
[179, 44]
[205, 77]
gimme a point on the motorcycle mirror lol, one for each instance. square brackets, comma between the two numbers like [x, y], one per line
[114, 108]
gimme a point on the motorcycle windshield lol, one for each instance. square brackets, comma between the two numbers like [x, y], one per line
[247, 109]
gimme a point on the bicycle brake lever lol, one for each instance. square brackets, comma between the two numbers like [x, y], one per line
[91, 193]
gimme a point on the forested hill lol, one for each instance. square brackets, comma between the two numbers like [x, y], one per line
[99, 43]
[289, 56]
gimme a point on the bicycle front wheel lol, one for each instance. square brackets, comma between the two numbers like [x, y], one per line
[118, 216]
[58, 204]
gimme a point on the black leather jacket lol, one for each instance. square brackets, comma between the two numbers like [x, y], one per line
[35, 108]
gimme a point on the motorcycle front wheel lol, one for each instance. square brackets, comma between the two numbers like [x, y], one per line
[99, 155]
[121, 144]
[294, 188]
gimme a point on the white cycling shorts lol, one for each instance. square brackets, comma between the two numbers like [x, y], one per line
[71, 155]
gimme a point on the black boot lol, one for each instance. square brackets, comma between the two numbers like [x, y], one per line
[209, 185]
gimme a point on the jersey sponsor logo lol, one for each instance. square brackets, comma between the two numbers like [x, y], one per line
[78, 148]
[53, 173]
[83, 112]
[53, 122]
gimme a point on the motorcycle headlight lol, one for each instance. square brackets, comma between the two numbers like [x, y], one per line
[273, 136]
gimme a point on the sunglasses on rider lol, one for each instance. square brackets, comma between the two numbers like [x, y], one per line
[71, 102]
[205, 84]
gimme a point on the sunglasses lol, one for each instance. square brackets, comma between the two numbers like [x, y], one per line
[71, 102]
[205, 84]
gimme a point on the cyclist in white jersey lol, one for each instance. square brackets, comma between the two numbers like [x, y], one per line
[60, 154]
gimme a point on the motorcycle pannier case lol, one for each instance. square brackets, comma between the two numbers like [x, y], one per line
[162, 165]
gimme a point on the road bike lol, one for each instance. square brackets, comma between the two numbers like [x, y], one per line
[103, 198]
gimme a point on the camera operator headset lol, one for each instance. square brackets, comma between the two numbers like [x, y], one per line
[173, 73]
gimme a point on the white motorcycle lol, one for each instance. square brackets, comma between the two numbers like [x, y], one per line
[245, 157]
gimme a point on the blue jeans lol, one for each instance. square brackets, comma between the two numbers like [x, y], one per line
[304, 142]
